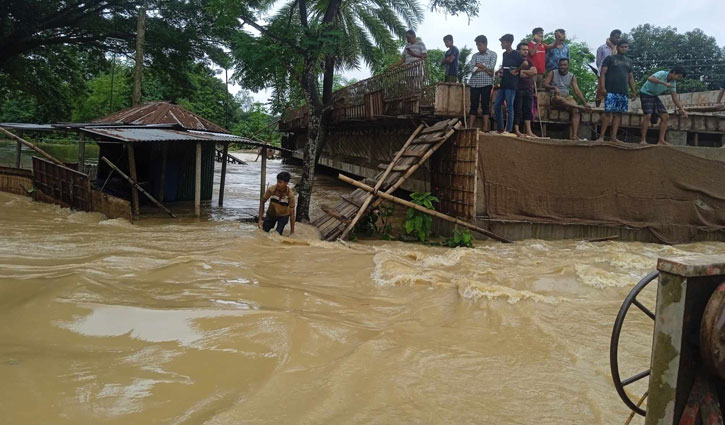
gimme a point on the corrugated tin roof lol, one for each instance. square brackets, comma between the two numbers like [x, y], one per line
[26, 126]
[161, 113]
[148, 134]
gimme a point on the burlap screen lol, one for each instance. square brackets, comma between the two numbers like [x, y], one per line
[670, 192]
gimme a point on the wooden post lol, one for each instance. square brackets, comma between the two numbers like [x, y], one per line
[222, 178]
[81, 152]
[263, 183]
[18, 151]
[136, 185]
[422, 209]
[164, 160]
[197, 182]
[134, 177]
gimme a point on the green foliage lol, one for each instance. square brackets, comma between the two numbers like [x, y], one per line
[256, 122]
[94, 101]
[376, 222]
[417, 223]
[654, 48]
[462, 239]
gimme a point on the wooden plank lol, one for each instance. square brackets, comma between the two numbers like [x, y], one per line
[137, 186]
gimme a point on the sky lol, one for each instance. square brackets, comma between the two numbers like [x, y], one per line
[587, 21]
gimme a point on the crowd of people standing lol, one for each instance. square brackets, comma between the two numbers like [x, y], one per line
[536, 65]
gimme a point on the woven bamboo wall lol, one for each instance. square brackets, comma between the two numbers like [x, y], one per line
[454, 175]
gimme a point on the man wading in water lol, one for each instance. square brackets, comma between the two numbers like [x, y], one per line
[281, 205]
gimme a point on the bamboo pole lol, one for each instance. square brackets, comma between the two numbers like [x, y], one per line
[380, 182]
[137, 186]
[263, 182]
[222, 178]
[81, 152]
[422, 160]
[197, 181]
[422, 209]
[43, 153]
[134, 177]
[18, 152]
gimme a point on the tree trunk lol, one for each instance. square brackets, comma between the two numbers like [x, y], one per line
[138, 67]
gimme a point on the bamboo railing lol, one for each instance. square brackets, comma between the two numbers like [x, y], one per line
[410, 82]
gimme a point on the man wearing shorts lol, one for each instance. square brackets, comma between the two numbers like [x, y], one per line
[560, 83]
[616, 75]
[482, 64]
[281, 206]
[659, 83]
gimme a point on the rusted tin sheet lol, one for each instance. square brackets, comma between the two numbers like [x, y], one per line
[161, 113]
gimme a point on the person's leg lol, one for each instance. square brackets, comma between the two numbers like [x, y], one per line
[473, 111]
[510, 95]
[575, 119]
[643, 129]
[518, 113]
[528, 100]
[268, 223]
[606, 118]
[281, 222]
[497, 109]
[486, 107]
[615, 127]
[664, 117]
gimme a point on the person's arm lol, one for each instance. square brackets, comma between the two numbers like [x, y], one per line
[655, 80]
[632, 87]
[398, 63]
[579, 93]
[676, 101]
[602, 80]
[531, 72]
[600, 57]
[490, 69]
[547, 82]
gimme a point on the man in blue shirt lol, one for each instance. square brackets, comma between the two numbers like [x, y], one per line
[658, 84]
[512, 61]
[556, 50]
[450, 60]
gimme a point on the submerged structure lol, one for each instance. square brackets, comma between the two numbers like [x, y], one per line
[535, 188]
[153, 153]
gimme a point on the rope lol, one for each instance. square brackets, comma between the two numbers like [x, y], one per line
[639, 403]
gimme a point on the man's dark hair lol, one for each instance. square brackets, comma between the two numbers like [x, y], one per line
[481, 39]
[562, 31]
[623, 42]
[284, 176]
[410, 32]
[615, 33]
[563, 60]
[518, 46]
[507, 37]
[537, 30]
[448, 37]
[679, 69]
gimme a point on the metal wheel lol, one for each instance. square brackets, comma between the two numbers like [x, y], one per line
[619, 384]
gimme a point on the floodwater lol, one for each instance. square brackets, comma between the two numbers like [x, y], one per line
[214, 322]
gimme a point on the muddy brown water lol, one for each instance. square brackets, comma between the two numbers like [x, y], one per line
[214, 322]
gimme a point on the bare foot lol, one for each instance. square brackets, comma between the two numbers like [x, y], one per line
[521, 135]
[642, 142]
[617, 141]
[662, 142]
[601, 139]
[532, 135]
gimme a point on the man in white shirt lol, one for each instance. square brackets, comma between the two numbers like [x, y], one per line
[414, 51]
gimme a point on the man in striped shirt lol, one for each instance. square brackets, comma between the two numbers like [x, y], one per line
[482, 64]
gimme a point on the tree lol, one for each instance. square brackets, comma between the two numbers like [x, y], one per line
[326, 36]
[654, 48]
[43, 42]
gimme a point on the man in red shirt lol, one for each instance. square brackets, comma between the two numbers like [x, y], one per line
[537, 54]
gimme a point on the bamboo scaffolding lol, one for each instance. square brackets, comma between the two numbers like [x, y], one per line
[422, 209]
[380, 182]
